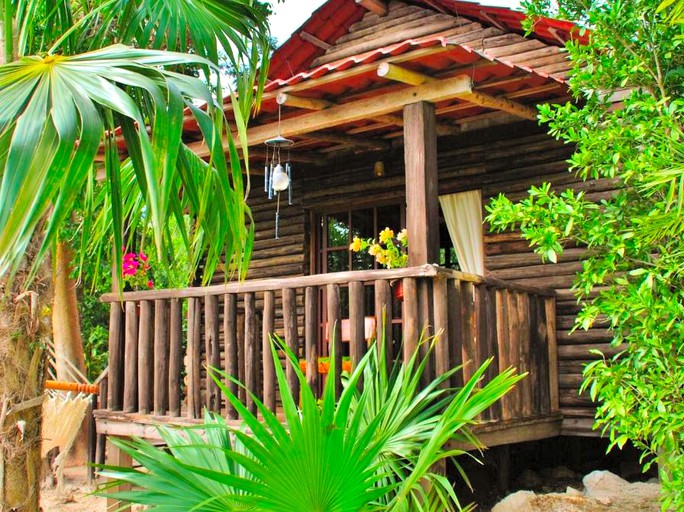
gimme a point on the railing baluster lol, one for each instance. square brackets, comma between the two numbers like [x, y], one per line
[357, 323]
[542, 356]
[130, 397]
[512, 300]
[212, 350]
[161, 357]
[488, 344]
[251, 351]
[231, 341]
[145, 356]
[455, 301]
[441, 318]
[268, 365]
[550, 309]
[426, 329]
[335, 332]
[194, 357]
[503, 329]
[116, 357]
[311, 336]
[175, 356]
[383, 318]
[291, 337]
[524, 347]
[411, 318]
[470, 308]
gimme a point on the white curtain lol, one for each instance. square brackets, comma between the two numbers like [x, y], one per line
[463, 215]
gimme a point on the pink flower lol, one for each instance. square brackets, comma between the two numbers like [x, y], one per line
[143, 256]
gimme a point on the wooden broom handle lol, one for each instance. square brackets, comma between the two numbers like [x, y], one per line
[72, 386]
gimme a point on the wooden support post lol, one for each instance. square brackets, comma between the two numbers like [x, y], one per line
[357, 323]
[291, 338]
[212, 350]
[145, 356]
[231, 357]
[161, 357]
[130, 399]
[251, 351]
[117, 457]
[422, 207]
[269, 367]
[311, 336]
[335, 332]
[116, 358]
[175, 356]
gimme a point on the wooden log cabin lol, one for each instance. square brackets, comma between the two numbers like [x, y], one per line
[403, 114]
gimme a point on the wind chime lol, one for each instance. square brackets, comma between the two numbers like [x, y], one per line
[278, 175]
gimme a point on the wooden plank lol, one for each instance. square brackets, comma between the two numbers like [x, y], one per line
[116, 357]
[440, 305]
[194, 358]
[251, 352]
[175, 356]
[543, 357]
[212, 351]
[231, 361]
[161, 357]
[311, 335]
[420, 161]
[488, 343]
[425, 318]
[357, 110]
[357, 323]
[383, 318]
[470, 300]
[377, 6]
[514, 340]
[260, 285]
[513, 431]
[145, 357]
[130, 398]
[268, 365]
[411, 320]
[291, 338]
[334, 319]
[550, 308]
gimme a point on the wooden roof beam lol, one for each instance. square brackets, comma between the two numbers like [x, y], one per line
[379, 7]
[399, 74]
[359, 110]
[349, 140]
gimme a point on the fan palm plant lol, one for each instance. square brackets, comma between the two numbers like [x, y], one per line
[84, 83]
[373, 449]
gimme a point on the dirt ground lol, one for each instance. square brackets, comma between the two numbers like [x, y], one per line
[75, 497]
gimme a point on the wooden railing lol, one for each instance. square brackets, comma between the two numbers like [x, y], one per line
[162, 341]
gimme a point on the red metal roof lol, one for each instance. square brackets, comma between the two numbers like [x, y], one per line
[335, 17]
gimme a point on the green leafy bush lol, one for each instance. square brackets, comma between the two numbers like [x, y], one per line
[373, 449]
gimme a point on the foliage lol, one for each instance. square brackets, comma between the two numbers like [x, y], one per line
[73, 78]
[388, 251]
[372, 449]
[632, 276]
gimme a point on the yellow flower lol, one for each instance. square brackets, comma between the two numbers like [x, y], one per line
[386, 235]
[374, 249]
[402, 235]
[381, 258]
[355, 245]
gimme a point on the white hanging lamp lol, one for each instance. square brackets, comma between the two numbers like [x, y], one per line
[278, 177]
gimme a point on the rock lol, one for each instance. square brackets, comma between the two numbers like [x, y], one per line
[571, 491]
[602, 483]
[604, 500]
[529, 479]
[516, 502]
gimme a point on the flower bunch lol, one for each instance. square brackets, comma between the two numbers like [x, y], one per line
[135, 270]
[389, 251]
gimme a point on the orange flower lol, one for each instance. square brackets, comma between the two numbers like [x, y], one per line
[355, 245]
[381, 258]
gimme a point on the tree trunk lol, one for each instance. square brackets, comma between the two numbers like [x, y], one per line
[24, 329]
[67, 340]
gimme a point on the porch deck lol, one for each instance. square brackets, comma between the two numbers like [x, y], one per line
[161, 341]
